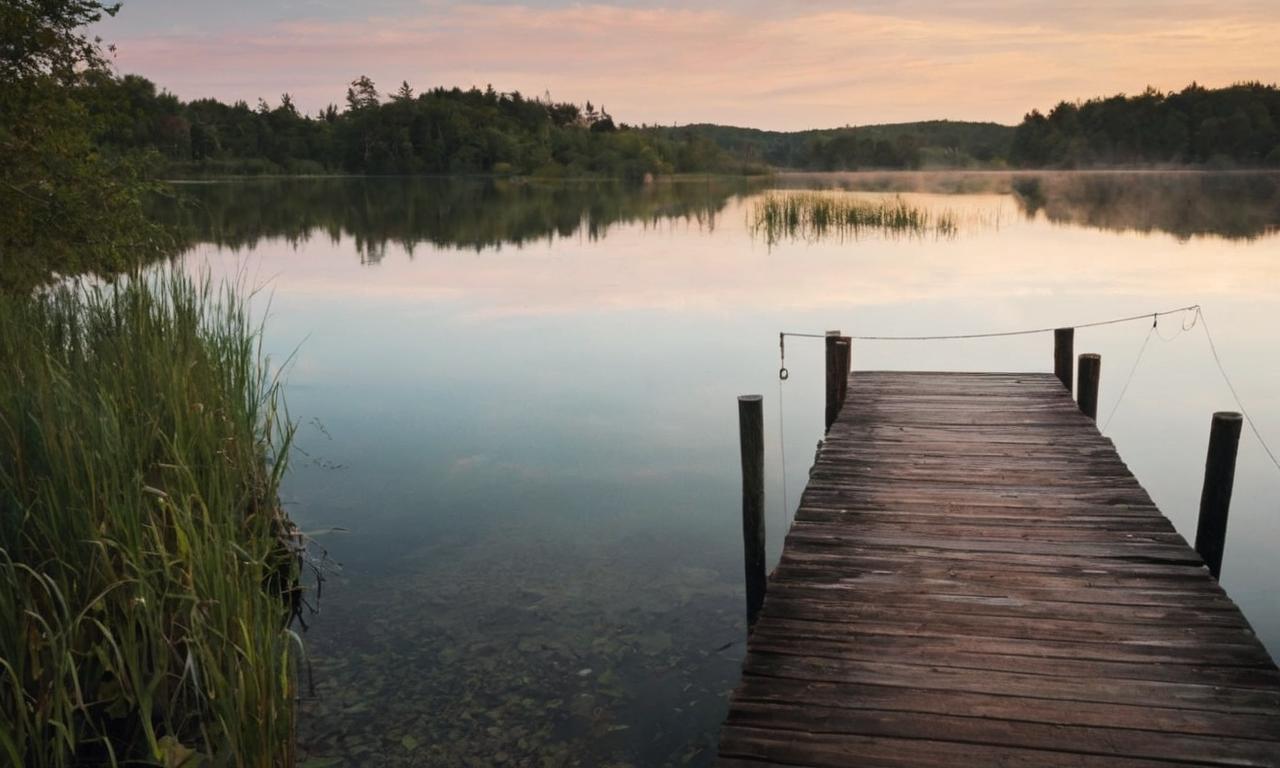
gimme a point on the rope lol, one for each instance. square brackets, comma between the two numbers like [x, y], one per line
[1196, 318]
[1132, 371]
[782, 432]
[782, 450]
[1001, 334]
[1248, 419]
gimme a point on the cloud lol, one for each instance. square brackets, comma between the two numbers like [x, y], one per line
[783, 66]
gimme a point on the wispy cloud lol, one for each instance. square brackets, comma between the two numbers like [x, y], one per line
[787, 65]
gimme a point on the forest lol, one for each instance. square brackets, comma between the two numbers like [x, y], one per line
[457, 131]
[1236, 126]
[440, 131]
[927, 144]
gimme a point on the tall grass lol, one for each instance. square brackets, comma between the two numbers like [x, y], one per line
[814, 215]
[146, 567]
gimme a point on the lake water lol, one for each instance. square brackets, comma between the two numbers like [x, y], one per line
[518, 400]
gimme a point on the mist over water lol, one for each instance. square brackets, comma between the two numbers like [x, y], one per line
[518, 398]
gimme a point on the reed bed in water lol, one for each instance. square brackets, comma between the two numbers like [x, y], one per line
[814, 215]
[146, 567]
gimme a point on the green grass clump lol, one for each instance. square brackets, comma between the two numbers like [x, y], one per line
[815, 215]
[146, 568]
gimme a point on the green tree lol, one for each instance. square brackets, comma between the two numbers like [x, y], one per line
[362, 94]
[1235, 125]
[404, 93]
[68, 206]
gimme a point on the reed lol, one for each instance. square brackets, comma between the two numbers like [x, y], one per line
[815, 215]
[146, 567]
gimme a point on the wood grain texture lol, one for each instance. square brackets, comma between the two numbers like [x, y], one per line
[974, 577]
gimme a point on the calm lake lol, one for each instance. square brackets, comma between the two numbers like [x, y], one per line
[519, 402]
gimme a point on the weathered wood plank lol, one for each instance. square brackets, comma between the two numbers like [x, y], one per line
[938, 678]
[975, 577]
[1223, 660]
[1000, 707]
[796, 748]
[1111, 741]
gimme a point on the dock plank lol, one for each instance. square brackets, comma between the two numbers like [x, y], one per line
[975, 577]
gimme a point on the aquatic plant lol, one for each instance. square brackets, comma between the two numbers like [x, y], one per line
[814, 215]
[147, 572]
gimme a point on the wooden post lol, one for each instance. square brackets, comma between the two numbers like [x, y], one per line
[1215, 497]
[1087, 381]
[844, 359]
[751, 438]
[833, 377]
[1064, 342]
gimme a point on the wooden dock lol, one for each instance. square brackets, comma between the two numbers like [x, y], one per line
[975, 578]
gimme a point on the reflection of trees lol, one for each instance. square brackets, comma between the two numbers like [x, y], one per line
[1184, 204]
[1234, 206]
[469, 213]
[487, 213]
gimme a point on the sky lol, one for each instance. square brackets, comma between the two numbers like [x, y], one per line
[781, 65]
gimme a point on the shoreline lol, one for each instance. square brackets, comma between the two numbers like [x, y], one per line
[776, 173]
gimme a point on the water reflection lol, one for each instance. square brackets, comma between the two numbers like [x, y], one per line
[488, 213]
[1234, 206]
[1242, 205]
[459, 213]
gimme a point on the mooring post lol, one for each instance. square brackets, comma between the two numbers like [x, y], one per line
[1215, 497]
[833, 377]
[1064, 341]
[844, 360]
[751, 438]
[1087, 381]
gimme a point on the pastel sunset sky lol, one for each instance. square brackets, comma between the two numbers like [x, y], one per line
[780, 65]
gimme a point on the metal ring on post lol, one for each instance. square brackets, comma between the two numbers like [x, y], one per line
[783, 374]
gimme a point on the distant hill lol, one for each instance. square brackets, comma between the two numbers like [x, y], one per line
[932, 143]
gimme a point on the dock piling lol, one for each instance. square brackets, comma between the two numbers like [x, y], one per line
[751, 439]
[833, 378]
[838, 359]
[844, 358]
[1063, 352]
[1090, 371]
[1215, 497]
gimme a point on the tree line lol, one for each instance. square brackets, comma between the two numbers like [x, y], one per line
[457, 131]
[897, 146]
[1236, 126]
[438, 131]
